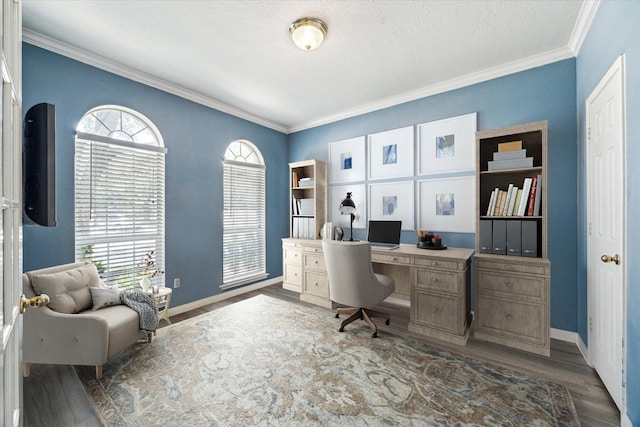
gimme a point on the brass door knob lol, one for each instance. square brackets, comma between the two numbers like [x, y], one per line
[37, 301]
[609, 258]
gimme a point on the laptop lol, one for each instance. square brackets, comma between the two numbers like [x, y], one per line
[384, 234]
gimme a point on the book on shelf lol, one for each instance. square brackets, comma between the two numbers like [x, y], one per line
[509, 155]
[496, 165]
[500, 205]
[526, 188]
[516, 205]
[512, 201]
[510, 146]
[294, 179]
[536, 206]
[532, 195]
[507, 200]
[492, 201]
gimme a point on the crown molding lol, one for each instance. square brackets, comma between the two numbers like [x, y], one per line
[453, 84]
[122, 70]
[583, 23]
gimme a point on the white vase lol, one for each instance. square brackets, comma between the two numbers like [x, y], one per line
[145, 284]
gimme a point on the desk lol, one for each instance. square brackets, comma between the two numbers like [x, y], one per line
[434, 283]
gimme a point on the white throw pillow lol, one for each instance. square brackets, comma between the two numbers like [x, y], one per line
[105, 296]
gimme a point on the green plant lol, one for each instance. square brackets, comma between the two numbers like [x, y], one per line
[86, 255]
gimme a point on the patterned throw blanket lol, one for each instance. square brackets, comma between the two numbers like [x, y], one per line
[144, 305]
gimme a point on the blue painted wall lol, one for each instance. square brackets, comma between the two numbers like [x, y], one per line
[196, 138]
[544, 93]
[613, 32]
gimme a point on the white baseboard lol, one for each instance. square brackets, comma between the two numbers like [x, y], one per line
[584, 350]
[572, 337]
[223, 296]
[625, 421]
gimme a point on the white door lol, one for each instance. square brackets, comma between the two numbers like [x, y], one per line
[606, 234]
[11, 214]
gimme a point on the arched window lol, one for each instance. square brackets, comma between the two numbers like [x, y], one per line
[119, 196]
[243, 241]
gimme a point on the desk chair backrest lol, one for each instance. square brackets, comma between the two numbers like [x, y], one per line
[352, 281]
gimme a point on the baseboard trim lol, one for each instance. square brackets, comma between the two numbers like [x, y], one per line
[562, 335]
[625, 421]
[223, 296]
[584, 350]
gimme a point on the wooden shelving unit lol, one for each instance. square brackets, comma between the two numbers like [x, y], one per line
[307, 183]
[512, 292]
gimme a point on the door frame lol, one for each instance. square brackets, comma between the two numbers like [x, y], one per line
[617, 66]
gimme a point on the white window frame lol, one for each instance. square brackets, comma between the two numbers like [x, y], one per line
[118, 222]
[244, 206]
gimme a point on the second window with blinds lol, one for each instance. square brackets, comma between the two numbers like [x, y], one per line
[243, 241]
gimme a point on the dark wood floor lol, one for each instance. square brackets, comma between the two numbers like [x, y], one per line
[53, 395]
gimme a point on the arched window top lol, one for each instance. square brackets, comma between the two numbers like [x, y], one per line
[115, 122]
[244, 152]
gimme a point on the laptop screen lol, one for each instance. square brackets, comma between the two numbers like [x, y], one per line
[384, 231]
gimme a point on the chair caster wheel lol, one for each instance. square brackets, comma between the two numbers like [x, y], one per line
[386, 322]
[341, 330]
[337, 316]
[374, 335]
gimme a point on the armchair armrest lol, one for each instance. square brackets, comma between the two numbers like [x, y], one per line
[57, 338]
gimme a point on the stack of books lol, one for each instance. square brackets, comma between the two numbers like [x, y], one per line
[510, 155]
[517, 201]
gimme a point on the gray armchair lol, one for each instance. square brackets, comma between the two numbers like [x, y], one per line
[353, 283]
[68, 331]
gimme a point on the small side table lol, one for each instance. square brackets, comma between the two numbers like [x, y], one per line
[163, 299]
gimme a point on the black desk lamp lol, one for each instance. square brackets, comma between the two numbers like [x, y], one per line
[347, 206]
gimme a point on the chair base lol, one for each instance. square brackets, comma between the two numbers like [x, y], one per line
[362, 314]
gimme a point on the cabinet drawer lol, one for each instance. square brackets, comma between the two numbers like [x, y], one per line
[292, 255]
[514, 268]
[315, 262]
[427, 279]
[293, 275]
[390, 258]
[313, 249]
[436, 311]
[436, 263]
[316, 284]
[517, 321]
[511, 286]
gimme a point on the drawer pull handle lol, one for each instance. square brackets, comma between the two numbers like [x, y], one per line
[394, 258]
[434, 263]
[509, 285]
[434, 280]
[315, 284]
[435, 310]
[509, 317]
[315, 262]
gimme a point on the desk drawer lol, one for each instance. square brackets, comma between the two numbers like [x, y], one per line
[313, 249]
[436, 263]
[428, 279]
[390, 258]
[292, 255]
[513, 268]
[518, 321]
[314, 261]
[293, 277]
[512, 286]
[316, 284]
[436, 311]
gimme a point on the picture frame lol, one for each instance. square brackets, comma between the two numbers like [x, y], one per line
[393, 201]
[447, 145]
[391, 153]
[337, 195]
[447, 204]
[347, 160]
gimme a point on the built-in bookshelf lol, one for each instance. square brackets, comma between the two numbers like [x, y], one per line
[512, 272]
[308, 198]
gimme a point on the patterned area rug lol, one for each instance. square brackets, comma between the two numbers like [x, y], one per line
[267, 362]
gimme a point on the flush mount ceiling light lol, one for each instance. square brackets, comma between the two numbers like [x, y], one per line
[308, 33]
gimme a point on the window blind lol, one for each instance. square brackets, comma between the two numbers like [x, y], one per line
[119, 207]
[244, 222]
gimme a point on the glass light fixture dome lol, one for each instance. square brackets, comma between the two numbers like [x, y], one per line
[308, 33]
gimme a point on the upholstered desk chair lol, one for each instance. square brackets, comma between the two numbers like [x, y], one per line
[353, 283]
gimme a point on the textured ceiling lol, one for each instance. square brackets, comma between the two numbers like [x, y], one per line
[237, 55]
